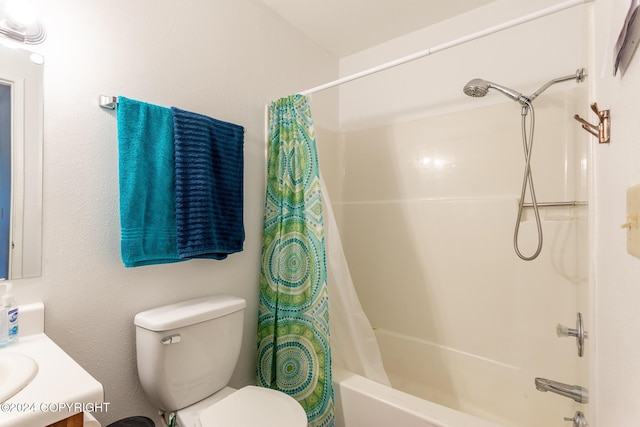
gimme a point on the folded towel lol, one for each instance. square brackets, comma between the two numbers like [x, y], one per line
[209, 157]
[147, 183]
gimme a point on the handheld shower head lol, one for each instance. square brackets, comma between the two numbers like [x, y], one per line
[476, 88]
[479, 87]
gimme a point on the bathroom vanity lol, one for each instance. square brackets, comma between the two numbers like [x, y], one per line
[59, 390]
[76, 420]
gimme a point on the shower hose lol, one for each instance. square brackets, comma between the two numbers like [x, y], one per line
[527, 180]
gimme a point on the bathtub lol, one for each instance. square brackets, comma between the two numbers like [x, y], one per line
[361, 402]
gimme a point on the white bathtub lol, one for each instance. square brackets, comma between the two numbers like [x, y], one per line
[362, 402]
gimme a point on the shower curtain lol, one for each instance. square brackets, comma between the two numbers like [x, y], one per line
[353, 344]
[294, 354]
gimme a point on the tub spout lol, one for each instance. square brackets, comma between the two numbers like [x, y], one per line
[575, 392]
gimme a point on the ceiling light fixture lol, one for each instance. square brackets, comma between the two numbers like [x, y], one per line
[18, 22]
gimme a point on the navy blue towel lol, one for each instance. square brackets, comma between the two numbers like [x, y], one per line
[209, 159]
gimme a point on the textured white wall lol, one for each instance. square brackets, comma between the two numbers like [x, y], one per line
[616, 167]
[222, 58]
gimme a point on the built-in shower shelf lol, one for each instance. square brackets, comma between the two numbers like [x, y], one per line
[557, 204]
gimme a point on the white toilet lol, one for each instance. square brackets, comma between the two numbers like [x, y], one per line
[186, 355]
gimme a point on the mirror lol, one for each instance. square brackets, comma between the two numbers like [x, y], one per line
[21, 119]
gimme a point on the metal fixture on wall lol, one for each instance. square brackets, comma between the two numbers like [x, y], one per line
[108, 101]
[575, 392]
[579, 333]
[478, 88]
[19, 23]
[602, 130]
[578, 420]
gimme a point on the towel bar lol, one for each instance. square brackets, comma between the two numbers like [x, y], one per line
[107, 101]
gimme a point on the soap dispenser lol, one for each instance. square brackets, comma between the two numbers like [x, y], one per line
[4, 327]
[9, 303]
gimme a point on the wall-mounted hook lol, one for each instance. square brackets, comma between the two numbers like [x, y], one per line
[602, 129]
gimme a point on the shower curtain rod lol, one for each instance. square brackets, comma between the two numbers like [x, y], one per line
[473, 36]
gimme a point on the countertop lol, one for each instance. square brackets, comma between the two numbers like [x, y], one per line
[61, 388]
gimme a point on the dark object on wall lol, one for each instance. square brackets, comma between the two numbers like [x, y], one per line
[628, 39]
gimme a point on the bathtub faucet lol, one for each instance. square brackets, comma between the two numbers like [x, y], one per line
[575, 392]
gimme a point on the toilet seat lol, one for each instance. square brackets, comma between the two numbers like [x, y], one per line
[254, 406]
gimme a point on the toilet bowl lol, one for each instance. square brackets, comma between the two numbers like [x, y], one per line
[186, 354]
[248, 406]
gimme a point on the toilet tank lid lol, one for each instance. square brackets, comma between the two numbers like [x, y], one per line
[189, 312]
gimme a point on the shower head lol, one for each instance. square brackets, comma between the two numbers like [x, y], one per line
[479, 87]
[476, 88]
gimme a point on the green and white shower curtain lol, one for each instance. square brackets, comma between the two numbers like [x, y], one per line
[294, 354]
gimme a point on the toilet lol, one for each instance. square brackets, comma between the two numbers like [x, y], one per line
[186, 354]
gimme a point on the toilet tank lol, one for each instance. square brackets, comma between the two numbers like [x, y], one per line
[187, 351]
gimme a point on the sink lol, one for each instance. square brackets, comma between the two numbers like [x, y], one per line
[36, 374]
[16, 371]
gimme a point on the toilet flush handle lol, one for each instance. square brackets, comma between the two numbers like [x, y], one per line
[173, 339]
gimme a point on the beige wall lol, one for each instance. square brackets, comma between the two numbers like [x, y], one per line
[225, 59]
[616, 167]
[427, 220]
[614, 347]
[428, 204]
[522, 57]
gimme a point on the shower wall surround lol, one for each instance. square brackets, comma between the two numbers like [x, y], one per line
[427, 202]
[427, 223]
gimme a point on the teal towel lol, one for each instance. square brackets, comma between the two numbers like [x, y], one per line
[147, 183]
